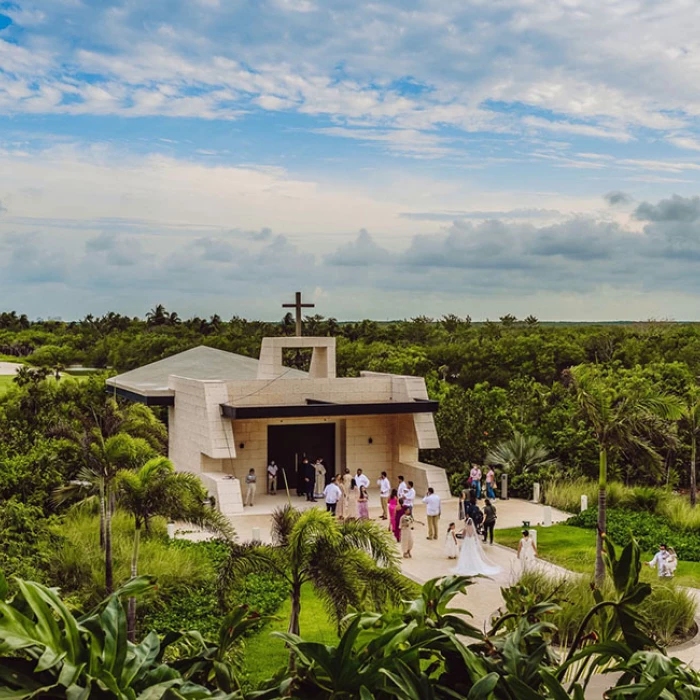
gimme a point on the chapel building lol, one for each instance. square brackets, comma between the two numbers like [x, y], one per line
[228, 413]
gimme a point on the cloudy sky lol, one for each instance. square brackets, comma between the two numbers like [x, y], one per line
[387, 158]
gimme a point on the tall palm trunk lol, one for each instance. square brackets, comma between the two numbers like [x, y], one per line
[103, 512]
[693, 479]
[602, 513]
[296, 608]
[131, 611]
[109, 576]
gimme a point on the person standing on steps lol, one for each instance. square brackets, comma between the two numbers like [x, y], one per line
[250, 488]
[340, 509]
[272, 478]
[432, 510]
[363, 504]
[347, 488]
[489, 520]
[393, 505]
[384, 491]
[309, 472]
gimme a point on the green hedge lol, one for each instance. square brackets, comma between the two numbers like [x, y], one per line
[648, 529]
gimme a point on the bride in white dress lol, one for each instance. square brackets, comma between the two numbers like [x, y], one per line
[472, 560]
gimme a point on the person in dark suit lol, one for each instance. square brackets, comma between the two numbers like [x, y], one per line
[309, 476]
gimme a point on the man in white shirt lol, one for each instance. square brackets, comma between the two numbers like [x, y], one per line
[432, 510]
[332, 494]
[659, 561]
[361, 479]
[401, 491]
[409, 496]
[384, 491]
[272, 478]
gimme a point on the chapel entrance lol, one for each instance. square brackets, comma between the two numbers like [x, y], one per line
[289, 444]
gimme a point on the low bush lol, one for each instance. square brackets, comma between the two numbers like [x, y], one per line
[566, 495]
[644, 499]
[668, 613]
[679, 514]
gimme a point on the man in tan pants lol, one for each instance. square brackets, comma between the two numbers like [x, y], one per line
[384, 491]
[432, 510]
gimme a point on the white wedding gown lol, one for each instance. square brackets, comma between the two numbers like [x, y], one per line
[472, 560]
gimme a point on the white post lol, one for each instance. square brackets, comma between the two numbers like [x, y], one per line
[504, 487]
[547, 513]
[536, 492]
[171, 530]
[256, 534]
[533, 536]
[584, 502]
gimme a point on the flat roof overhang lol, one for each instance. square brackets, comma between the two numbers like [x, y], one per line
[317, 409]
[156, 400]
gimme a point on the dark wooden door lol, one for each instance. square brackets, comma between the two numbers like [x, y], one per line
[289, 444]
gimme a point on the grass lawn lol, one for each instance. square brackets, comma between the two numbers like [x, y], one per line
[6, 380]
[574, 549]
[264, 655]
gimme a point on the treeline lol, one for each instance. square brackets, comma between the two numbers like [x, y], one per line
[492, 378]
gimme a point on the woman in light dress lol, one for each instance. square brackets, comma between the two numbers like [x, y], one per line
[406, 528]
[472, 560]
[451, 542]
[671, 561]
[350, 505]
[527, 551]
[363, 504]
[340, 508]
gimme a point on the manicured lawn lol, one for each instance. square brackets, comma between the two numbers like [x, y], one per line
[264, 655]
[574, 549]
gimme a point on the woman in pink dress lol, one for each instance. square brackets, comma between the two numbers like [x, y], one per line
[393, 503]
[400, 510]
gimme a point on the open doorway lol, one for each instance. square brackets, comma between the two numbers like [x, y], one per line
[288, 445]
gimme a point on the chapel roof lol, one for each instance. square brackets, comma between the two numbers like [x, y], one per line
[203, 363]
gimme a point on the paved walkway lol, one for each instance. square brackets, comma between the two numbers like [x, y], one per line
[8, 368]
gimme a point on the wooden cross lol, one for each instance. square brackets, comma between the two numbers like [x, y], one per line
[298, 306]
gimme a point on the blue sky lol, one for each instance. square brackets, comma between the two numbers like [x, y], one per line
[388, 158]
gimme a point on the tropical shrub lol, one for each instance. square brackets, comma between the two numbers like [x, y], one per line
[668, 613]
[648, 529]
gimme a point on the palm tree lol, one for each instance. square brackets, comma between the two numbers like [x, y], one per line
[157, 489]
[622, 421]
[348, 564]
[157, 316]
[520, 454]
[690, 420]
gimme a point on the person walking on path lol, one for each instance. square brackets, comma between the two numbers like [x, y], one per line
[432, 510]
[332, 494]
[250, 488]
[410, 496]
[272, 470]
[340, 508]
[451, 544]
[475, 476]
[406, 527]
[490, 483]
[402, 488]
[400, 510]
[384, 491]
[527, 551]
[489, 520]
[392, 506]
